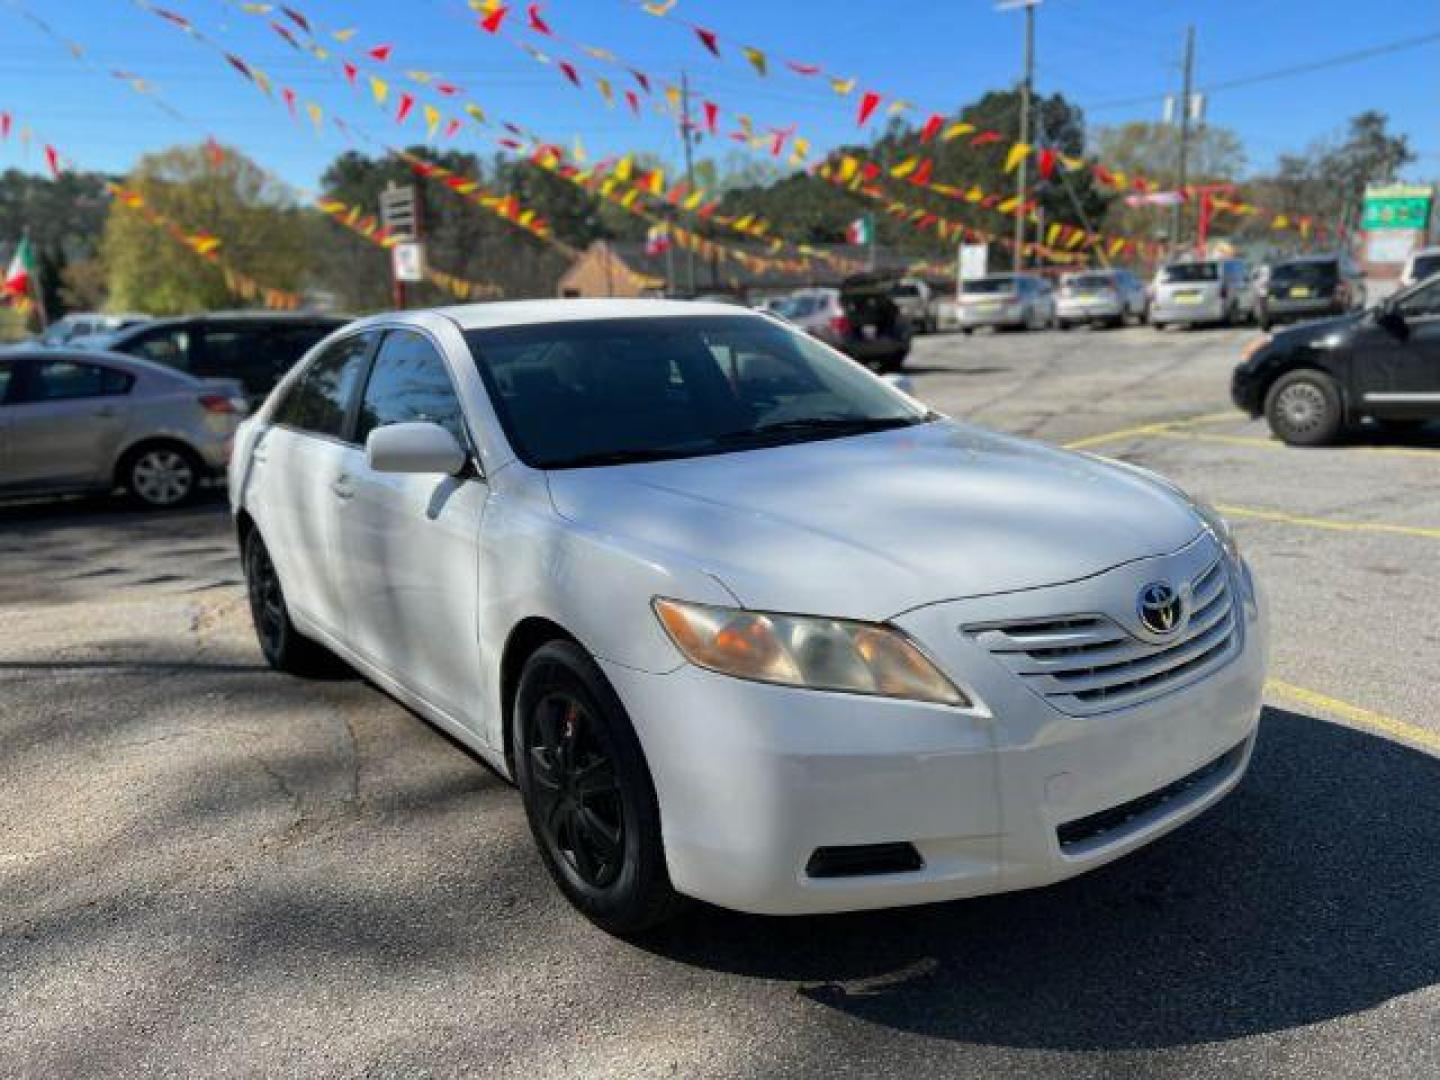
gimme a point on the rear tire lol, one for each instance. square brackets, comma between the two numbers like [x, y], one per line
[588, 794]
[1303, 408]
[161, 476]
[285, 648]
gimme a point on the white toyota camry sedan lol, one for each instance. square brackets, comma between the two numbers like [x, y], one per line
[741, 620]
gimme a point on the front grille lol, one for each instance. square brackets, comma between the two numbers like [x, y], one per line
[1087, 664]
[1107, 825]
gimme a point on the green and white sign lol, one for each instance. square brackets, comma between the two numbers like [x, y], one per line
[1397, 206]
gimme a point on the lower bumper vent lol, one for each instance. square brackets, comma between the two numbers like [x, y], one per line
[862, 860]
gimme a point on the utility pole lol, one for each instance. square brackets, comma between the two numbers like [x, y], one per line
[1187, 93]
[1026, 86]
[687, 130]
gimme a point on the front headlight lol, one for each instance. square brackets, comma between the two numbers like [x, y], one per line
[1218, 526]
[794, 650]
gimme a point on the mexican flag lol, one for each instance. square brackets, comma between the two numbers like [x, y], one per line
[860, 232]
[21, 272]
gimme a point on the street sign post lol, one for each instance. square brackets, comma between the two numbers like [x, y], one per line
[407, 261]
[401, 217]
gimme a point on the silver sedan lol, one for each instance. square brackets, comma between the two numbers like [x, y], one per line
[73, 422]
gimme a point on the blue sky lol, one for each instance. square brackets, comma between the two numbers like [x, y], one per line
[938, 53]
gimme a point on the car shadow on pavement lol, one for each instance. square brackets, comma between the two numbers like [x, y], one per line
[1310, 893]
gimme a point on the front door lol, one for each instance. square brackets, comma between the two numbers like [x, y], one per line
[64, 423]
[1398, 375]
[409, 543]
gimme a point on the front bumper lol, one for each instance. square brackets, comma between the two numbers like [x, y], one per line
[752, 779]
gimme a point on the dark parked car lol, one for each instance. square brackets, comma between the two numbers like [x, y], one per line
[870, 327]
[256, 348]
[1310, 381]
[1315, 286]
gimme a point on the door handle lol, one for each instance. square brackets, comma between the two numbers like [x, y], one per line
[343, 489]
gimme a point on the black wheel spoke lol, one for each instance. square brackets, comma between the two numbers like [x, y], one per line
[596, 777]
[602, 835]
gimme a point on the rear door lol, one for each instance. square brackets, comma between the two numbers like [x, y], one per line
[237, 350]
[294, 486]
[409, 543]
[65, 422]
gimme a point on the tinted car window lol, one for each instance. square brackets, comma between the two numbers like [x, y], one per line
[1187, 272]
[6, 372]
[62, 380]
[170, 347]
[237, 353]
[409, 383]
[1319, 275]
[1423, 302]
[319, 401]
[608, 391]
[989, 285]
[1425, 265]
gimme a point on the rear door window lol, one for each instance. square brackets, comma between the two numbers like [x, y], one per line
[169, 346]
[319, 402]
[236, 352]
[67, 380]
[1186, 273]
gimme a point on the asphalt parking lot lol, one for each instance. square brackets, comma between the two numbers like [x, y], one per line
[206, 868]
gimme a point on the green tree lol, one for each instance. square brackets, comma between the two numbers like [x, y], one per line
[261, 230]
[1215, 155]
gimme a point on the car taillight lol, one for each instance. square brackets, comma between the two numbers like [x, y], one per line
[219, 403]
[840, 325]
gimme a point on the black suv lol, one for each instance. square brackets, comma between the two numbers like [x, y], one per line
[1310, 287]
[256, 348]
[1384, 364]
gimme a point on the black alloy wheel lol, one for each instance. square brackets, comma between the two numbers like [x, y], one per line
[285, 648]
[588, 794]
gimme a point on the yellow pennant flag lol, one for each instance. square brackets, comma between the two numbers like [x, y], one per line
[606, 90]
[756, 58]
[799, 150]
[578, 152]
[476, 113]
[672, 95]
[694, 199]
[432, 120]
[899, 105]
[1018, 153]
[343, 36]
[848, 167]
[974, 195]
[1116, 246]
[261, 79]
[422, 77]
[655, 182]
[1076, 239]
[905, 168]
[842, 86]
[1280, 222]
[955, 130]
[380, 88]
[1052, 232]
[623, 168]
[1008, 205]
[316, 116]
[660, 7]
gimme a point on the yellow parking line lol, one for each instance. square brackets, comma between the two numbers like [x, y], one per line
[1281, 518]
[1361, 717]
[1275, 444]
[1153, 428]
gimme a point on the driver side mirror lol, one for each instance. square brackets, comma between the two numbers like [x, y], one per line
[1389, 316]
[419, 447]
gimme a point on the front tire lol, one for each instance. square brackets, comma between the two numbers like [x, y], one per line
[588, 794]
[285, 648]
[1303, 408]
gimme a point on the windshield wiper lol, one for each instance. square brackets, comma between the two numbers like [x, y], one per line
[621, 457]
[847, 424]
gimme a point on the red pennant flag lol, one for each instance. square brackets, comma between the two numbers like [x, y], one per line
[295, 17]
[802, 69]
[5, 122]
[870, 170]
[712, 116]
[921, 176]
[633, 100]
[1104, 175]
[932, 127]
[708, 39]
[868, 104]
[569, 71]
[285, 33]
[491, 23]
[538, 24]
[289, 96]
[1047, 164]
[985, 137]
[351, 71]
[380, 54]
[452, 128]
[178, 20]
[214, 152]
[777, 142]
[239, 65]
[448, 89]
[509, 144]
[407, 102]
[52, 158]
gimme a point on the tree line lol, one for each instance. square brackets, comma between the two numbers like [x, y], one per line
[94, 253]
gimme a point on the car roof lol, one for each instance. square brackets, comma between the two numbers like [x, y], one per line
[536, 312]
[135, 364]
[1307, 259]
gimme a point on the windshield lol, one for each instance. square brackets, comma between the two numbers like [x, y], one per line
[1425, 265]
[981, 286]
[1189, 272]
[1318, 274]
[614, 391]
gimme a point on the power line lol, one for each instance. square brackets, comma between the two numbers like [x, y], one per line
[1338, 60]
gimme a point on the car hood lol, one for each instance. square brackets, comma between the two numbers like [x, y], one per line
[1307, 332]
[871, 526]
